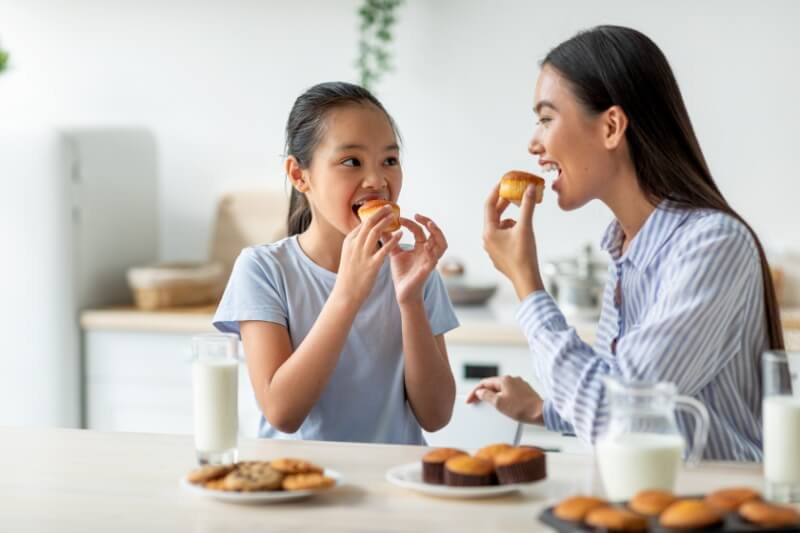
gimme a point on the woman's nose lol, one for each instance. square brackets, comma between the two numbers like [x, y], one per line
[535, 145]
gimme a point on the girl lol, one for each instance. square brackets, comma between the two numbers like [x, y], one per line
[342, 328]
[689, 299]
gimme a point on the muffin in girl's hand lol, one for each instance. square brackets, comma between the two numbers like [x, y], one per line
[514, 183]
[371, 207]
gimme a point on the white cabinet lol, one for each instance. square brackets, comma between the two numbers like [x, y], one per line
[141, 381]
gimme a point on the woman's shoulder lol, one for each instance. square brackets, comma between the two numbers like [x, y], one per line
[705, 228]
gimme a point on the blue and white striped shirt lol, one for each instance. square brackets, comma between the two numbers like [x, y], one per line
[691, 312]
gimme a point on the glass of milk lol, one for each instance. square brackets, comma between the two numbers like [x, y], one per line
[215, 382]
[781, 416]
[642, 447]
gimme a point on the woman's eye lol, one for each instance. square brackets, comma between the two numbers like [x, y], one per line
[391, 161]
[543, 121]
[351, 162]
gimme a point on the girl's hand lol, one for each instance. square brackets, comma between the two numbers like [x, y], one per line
[410, 268]
[512, 396]
[362, 259]
[511, 244]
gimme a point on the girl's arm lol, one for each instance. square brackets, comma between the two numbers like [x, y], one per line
[287, 382]
[429, 381]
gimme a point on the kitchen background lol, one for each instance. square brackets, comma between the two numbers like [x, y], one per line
[213, 82]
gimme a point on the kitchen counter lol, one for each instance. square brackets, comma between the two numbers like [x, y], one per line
[492, 324]
[71, 480]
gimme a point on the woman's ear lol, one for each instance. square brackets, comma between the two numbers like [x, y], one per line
[295, 173]
[615, 123]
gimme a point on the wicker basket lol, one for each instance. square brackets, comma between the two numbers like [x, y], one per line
[176, 284]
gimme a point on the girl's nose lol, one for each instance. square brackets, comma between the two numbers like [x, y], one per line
[374, 180]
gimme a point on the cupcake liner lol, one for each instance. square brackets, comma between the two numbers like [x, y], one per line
[466, 480]
[433, 473]
[525, 472]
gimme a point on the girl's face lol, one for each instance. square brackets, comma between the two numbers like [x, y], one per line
[356, 160]
[570, 139]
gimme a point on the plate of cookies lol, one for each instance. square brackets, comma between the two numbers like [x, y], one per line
[730, 509]
[452, 473]
[260, 481]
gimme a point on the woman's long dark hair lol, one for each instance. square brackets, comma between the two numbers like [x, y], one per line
[613, 65]
[304, 131]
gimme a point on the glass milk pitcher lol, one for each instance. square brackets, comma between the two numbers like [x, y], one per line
[642, 447]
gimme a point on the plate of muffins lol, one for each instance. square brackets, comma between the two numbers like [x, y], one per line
[260, 481]
[452, 473]
[729, 509]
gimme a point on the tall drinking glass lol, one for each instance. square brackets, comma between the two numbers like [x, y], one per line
[781, 415]
[215, 382]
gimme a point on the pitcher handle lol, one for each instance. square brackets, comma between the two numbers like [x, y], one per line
[700, 414]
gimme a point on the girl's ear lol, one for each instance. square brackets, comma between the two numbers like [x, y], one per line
[295, 173]
[615, 123]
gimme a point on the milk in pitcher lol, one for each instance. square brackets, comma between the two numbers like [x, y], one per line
[630, 462]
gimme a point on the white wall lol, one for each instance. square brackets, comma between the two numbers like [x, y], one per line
[215, 79]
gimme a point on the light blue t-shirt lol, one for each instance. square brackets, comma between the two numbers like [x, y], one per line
[364, 400]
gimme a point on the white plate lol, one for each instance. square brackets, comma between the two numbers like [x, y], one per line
[265, 496]
[409, 476]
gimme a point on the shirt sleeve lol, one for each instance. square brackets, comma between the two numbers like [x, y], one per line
[441, 315]
[254, 292]
[679, 339]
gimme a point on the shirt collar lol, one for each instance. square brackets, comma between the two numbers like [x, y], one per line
[657, 230]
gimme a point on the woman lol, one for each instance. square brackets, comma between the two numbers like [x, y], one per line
[689, 298]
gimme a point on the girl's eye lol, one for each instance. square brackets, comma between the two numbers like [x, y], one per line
[543, 121]
[391, 161]
[351, 162]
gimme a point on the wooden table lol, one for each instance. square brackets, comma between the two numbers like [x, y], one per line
[73, 480]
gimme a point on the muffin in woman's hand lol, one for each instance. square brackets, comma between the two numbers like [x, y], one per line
[520, 465]
[433, 464]
[467, 471]
[514, 183]
[372, 206]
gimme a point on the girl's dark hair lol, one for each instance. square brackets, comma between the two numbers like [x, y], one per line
[613, 65]
[304, 131]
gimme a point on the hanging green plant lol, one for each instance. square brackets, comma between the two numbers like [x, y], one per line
[374, 56]
[3, 60]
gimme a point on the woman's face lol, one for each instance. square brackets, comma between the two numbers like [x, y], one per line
[571, 139]
[356, 160]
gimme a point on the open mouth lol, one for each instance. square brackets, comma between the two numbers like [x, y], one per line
[359, 203]
[552, 170]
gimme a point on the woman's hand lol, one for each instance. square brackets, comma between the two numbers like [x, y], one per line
[361, 258]
[410, 268]
[512, 396]
[511, 244]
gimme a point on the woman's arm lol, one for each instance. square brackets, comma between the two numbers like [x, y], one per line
[429, 381]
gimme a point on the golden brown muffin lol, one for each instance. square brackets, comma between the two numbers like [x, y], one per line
[615, 519]
[769, 515]
[520, 465]
[514, 183]
[433, 464]
[466, 471]
[576, 508]
[728, 500]
[689, 514]
[492, 450]
[651, 502]
[372, 206]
